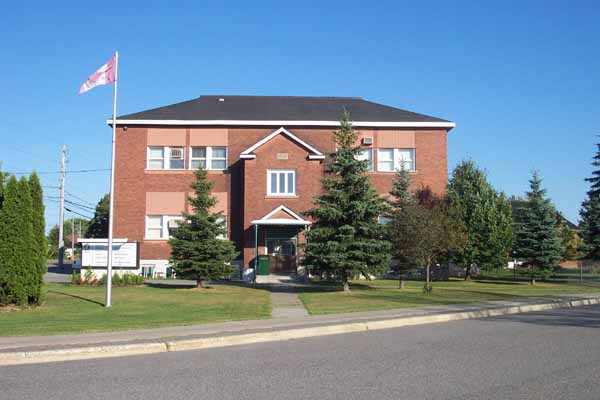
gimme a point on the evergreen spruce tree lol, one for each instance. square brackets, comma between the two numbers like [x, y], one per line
[400, 217]
[17, 264]
[400, 194]
[486, 215]
[346, 238]
[198, 250]
[39, 233]
[537, 239]
[98, 226]
[590, 212]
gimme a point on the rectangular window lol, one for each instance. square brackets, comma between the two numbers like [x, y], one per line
[211, 158]
[218, 158]
[281, 183]
[165, 157]
[176, 158]
[154, 227]
[385, 160]
[389, 160]
[366, 154]
[156, 157]
[161, 226]
[198, 158]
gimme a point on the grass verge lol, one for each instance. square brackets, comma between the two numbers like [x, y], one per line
[78, 309]
[384, 294]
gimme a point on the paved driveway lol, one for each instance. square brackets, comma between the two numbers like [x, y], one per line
[551, 355]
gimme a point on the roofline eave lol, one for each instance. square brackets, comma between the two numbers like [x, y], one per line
[372, 124]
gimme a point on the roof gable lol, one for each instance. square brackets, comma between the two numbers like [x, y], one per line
[315, 154]
[281, 216]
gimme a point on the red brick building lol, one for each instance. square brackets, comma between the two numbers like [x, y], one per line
[265, 156]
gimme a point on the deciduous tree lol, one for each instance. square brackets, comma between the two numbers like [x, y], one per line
[98, 226]
[486, 215]
[426, 232]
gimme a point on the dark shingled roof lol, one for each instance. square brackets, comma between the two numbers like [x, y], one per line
[279, 108]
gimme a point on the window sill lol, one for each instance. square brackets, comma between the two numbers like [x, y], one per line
[155, 240]
[270, 196]
[181, 171]
[390, 172]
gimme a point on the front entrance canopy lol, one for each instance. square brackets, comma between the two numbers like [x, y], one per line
[281, 216]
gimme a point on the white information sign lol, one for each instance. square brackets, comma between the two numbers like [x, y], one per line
[94, 254]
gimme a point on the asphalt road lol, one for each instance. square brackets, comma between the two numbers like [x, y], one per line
[551, 355]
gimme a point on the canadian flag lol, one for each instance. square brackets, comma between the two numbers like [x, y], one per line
[103, 76]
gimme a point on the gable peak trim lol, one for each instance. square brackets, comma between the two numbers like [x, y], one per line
[315, 156]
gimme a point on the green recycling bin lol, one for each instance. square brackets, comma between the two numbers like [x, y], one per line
[263, 264]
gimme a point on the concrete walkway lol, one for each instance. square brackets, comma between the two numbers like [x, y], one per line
[285, 303]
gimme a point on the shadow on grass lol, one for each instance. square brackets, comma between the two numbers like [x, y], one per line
[170, 285]
[498, 281]
[77, 297]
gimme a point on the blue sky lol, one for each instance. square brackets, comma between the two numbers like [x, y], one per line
[520, 79]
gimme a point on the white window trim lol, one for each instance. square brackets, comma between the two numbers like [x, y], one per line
[209, 158]
[396, 159]
[164, 225]
[166, 158]
[148, 159]
[285, 172]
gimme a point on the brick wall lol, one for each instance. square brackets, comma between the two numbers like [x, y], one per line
[245, 180]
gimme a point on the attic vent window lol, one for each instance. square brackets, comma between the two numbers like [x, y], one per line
[282, 156]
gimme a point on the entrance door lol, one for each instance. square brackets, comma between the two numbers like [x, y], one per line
[282, 255]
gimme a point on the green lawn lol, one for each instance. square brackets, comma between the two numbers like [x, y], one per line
[76, 309]
[384, 294]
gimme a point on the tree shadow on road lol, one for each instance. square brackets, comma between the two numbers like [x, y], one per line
[584, 317]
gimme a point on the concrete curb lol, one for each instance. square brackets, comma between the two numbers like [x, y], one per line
[83, 353]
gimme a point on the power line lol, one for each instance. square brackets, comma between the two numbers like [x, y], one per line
[80, 199]
[75, 212]
[79, 205]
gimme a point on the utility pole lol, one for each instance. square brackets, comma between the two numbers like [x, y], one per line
[72, 241]
[61, 212]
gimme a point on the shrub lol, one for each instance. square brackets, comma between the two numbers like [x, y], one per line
[76, 278]
[89, 275]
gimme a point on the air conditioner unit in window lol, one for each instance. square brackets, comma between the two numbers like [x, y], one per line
[176, 154]
[367, 140]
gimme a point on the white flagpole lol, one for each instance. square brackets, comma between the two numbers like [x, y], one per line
[112, 190]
